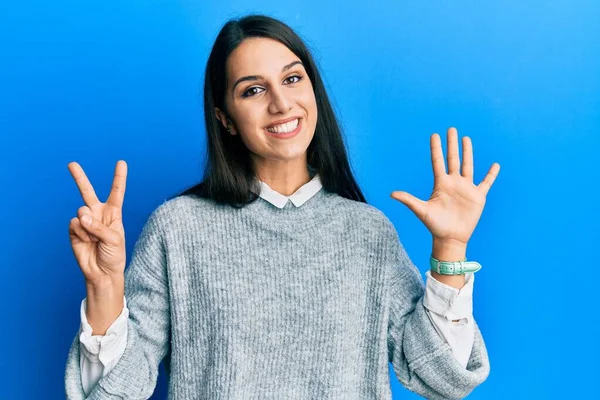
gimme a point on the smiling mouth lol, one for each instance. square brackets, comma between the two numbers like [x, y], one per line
[287, 130]
[287, 127]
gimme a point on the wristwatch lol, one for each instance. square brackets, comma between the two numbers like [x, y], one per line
[453, 267]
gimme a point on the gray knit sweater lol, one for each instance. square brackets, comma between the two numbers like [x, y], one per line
[307, 302]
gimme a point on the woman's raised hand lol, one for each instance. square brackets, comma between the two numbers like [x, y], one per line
[456, 204]
[97, 234]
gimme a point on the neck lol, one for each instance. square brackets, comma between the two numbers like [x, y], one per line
[284, 177]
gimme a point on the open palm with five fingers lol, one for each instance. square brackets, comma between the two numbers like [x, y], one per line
[456, 204]
[97, 234]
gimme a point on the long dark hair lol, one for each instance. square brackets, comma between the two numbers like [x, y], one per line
[229, 174]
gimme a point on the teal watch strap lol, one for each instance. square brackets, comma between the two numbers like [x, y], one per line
[453, 267]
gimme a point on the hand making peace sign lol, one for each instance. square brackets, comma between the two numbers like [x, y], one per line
[456, 204]
[97, 233]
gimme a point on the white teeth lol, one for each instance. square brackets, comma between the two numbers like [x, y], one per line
[284, 128]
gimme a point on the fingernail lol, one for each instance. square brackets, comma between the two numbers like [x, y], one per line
[87, 220]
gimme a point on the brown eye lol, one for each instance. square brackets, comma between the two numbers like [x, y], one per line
[250, 92]
[295, 76]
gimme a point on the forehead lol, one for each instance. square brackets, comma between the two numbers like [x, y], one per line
[258, 56]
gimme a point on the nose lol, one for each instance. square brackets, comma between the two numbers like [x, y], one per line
[279, 102]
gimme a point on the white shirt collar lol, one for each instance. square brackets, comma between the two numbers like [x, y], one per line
[299, 197]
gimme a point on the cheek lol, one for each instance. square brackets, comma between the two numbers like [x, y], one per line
[250, 131]
[247, 119]
[311, 108]
[249, 126]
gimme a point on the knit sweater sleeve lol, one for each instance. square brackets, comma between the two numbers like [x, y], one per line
[134, 376]
[423, 362]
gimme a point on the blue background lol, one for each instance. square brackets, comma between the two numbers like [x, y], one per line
[99, 81]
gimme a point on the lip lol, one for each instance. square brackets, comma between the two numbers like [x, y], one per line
[282, 121]
[286, 135]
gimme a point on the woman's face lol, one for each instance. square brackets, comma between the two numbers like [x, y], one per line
[270, 101]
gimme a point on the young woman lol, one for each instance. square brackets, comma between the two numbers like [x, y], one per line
[272, 278]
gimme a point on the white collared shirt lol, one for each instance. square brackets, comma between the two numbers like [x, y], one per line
[299, 197]
[99, 354]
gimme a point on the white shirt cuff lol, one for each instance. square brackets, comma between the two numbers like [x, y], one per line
[450, 302]
[99, 348]
[444, 304]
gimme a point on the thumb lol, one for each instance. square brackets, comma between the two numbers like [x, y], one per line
[98, 229]
[415, 205]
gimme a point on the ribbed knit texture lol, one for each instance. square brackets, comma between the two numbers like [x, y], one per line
[307, 302]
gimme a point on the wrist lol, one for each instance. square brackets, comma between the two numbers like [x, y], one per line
[104, 303]
[105, 285]
[449, 250]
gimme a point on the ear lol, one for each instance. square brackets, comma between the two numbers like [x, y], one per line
[222, 117]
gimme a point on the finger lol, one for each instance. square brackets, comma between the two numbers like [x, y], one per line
[487, 183]
[85, 210]
[437, 156]
[98, 229]
[467, 156]
[85, 187]
[75, 229]
[417, 206]
[117, 192]
[453, 160]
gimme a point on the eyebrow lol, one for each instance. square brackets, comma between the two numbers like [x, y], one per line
[257, 77]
